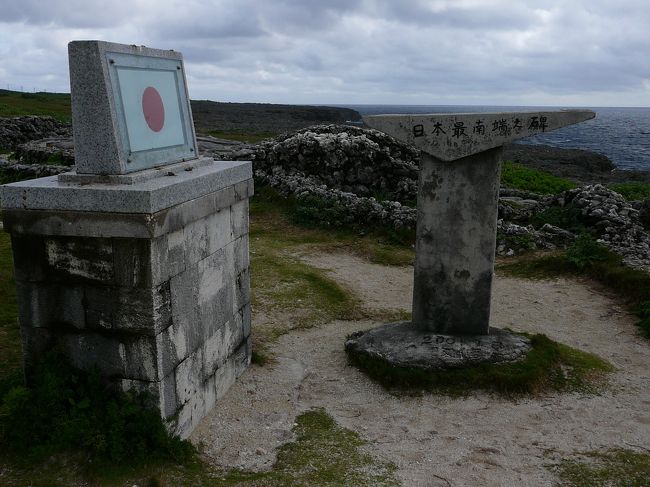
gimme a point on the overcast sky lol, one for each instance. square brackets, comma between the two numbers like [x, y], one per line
[420, 52]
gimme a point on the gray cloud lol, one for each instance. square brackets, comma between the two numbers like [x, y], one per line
[349, 51]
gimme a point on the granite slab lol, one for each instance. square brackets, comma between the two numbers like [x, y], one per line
[148, 196]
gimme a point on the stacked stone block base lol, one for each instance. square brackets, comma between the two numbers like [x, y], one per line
[158, 302]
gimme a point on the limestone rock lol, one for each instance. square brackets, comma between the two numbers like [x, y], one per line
[17, 130]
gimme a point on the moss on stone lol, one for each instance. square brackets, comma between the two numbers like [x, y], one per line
[548, 366]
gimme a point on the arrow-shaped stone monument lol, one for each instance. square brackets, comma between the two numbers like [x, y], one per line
[458, 193]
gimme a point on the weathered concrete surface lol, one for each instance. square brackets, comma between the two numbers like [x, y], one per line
[455, 243]
[452, 136]
[403, 345]
[159, 302]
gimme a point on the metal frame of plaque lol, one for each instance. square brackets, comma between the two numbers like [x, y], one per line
[143, 147]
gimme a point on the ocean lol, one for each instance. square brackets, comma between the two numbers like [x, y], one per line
[622, 134]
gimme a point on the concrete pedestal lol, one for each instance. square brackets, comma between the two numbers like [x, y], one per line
[455, 243]
[149, 281]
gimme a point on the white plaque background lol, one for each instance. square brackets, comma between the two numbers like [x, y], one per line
[133, 82]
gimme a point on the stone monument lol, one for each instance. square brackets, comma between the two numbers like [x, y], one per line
[458, 192]
[136, 263]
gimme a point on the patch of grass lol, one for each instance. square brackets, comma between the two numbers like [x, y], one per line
[7, 176]
[282, 281]
[10, 347]
[632, 191]
[277, 214]
[14, 104]
[613, 468]
[567, 217]
[272, 215]
[260, 357]
[584, 253]
[250, 138]
[548, 366]
[644, 318]
[66, 409]
[517, 242]
[324, 454]
[521, 177]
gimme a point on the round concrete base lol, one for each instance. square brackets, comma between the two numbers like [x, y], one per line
[403, 345]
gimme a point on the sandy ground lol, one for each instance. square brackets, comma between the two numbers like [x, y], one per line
[434, 440]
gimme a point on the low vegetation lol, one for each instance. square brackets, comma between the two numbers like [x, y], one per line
[324, 454]
[66, 409]
[548, 366]
[242, 136]
[14, 104]
[567, 217]
[614, 468]
[517, 176]
[632, 191]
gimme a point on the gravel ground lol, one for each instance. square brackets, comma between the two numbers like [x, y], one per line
[438, 440]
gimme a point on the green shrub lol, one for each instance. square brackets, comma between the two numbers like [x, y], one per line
[66, 409]
[644, 315]
[521, 177]
[585, 252]
[632, 191]
[566, 217]
[312, 210]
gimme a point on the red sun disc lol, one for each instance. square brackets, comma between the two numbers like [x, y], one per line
[153, 109]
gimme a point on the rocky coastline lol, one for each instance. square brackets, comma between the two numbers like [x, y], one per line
[351, 176]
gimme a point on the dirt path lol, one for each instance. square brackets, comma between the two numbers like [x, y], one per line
[438, 440]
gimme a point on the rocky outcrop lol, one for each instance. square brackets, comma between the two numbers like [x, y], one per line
[615, 220]
[18, 130]
[49, 151]
[349, 159]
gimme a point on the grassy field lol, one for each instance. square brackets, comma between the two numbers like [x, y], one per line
[13, 104]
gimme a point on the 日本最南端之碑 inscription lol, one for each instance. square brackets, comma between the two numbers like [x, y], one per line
[503, 127]
[450, 136]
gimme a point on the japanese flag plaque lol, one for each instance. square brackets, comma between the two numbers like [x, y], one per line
[132, 102]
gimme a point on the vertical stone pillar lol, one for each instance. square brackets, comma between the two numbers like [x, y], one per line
[455, 243]
[458, 194]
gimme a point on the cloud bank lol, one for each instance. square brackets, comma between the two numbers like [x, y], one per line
[493, 52]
